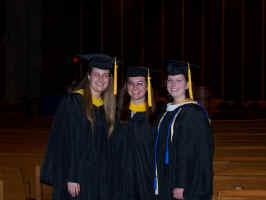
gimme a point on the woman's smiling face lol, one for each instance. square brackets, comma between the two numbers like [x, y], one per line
[176, 86]
[99, 80]
[136, 88]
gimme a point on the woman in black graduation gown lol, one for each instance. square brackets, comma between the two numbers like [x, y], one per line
[134, 152]
[183, 143]
[77, 157]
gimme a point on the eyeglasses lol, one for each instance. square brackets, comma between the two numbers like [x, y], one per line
[102, 76]
[137, 84]
[170, 81]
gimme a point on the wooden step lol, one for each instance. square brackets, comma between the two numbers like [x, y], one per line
[242, 195]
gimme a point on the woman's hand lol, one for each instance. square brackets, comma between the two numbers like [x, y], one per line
[178, 193]
[73, 188]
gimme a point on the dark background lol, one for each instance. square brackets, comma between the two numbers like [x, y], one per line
[224, 37]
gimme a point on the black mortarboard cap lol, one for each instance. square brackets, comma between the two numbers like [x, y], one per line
[100, 61]
[175, 67]
[134, 71]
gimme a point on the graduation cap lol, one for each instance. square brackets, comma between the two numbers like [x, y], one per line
[175, 67]
[100, 61]
[134, 71]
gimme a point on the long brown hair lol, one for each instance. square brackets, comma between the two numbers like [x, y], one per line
[123, 106]
[109, 102]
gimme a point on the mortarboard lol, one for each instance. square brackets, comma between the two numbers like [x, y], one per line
[175, 67]
[100, 61]
[134, 71]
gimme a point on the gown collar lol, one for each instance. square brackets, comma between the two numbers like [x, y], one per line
[95, 101]
[137, 108]
[171, 107]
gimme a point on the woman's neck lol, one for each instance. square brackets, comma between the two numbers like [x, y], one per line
[95, 94]
[179, 100]
[138, 102]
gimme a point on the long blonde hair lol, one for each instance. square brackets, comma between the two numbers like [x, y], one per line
[109, 103]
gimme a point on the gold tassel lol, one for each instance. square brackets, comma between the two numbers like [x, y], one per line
[190, 83]
[115, 78]
[149, 89]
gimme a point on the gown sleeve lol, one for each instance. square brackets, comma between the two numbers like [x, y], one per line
[62, 154]
[193, 143]
[119, 148]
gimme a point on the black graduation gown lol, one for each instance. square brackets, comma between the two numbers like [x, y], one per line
[190, 154]
[75, 153]
[133, 167]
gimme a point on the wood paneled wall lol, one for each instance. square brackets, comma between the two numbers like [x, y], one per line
[2, 51]
[225, 37]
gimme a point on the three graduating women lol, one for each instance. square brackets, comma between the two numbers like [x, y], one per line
[172, 162]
